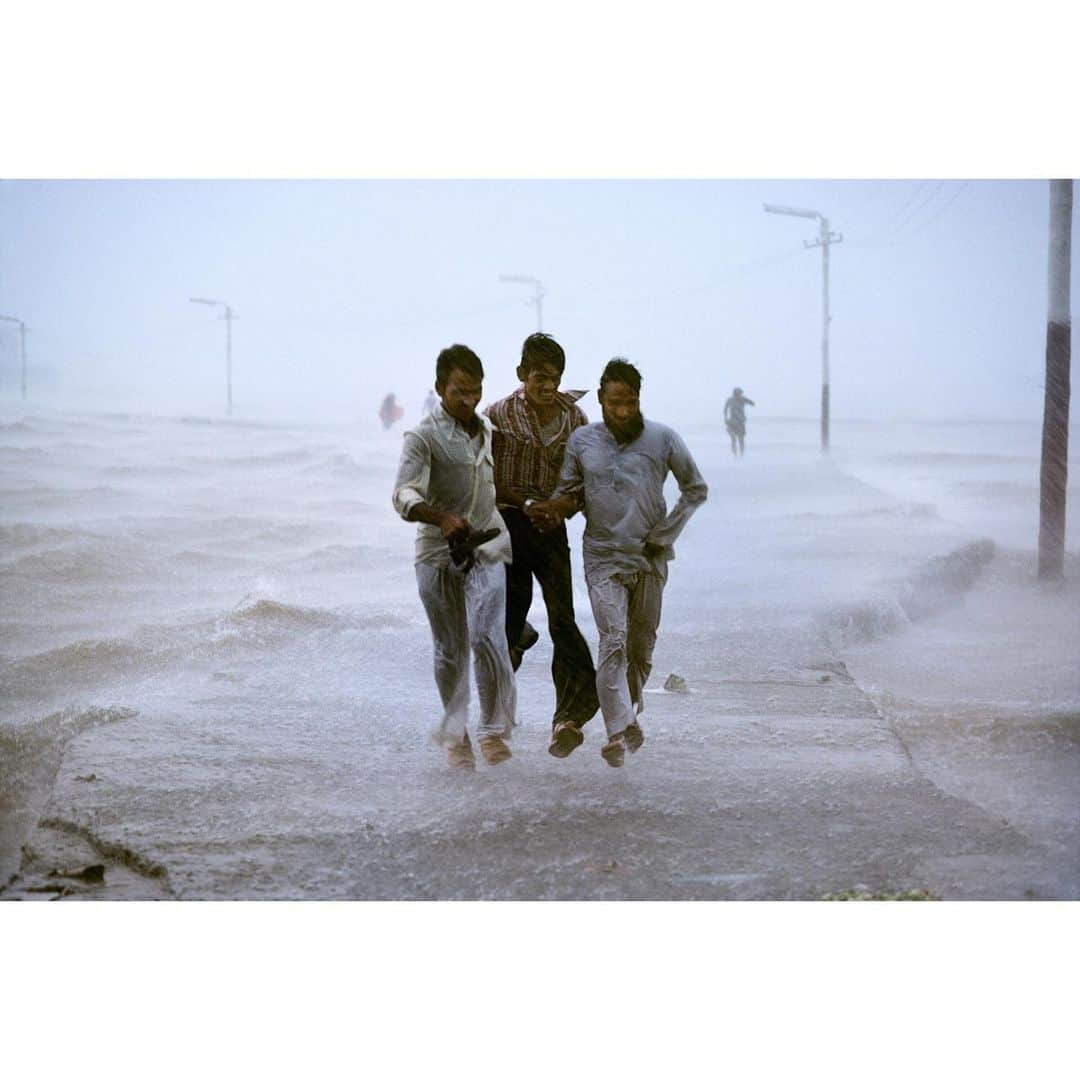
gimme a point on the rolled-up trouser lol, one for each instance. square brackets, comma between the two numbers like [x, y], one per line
[467, 612]
[626, 608]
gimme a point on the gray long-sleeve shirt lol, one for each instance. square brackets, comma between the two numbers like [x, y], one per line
[624, 496]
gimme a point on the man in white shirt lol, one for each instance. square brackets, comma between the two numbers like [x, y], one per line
[446, 482]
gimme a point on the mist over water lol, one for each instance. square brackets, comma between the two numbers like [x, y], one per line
[218, 623]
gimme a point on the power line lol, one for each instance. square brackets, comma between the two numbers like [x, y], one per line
[956, 194]
[919, 199]
[903, 209]
[921, 204]
[915, 227]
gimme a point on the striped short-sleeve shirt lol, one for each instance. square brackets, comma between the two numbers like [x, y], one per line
[527, 458]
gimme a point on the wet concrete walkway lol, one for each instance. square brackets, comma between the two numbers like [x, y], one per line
[765, 788]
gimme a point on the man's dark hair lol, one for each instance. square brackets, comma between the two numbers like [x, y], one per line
[621, 370]
[460, 358]
[541, 349]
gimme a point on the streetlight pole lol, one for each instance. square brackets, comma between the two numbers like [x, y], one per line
[825, 238]
[228, 317]
[22, 347]
[538, 294]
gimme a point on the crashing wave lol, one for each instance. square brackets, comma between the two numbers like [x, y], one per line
[257, 610]
[78, 663]
[939, 583]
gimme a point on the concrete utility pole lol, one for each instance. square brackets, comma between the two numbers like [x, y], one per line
[825, 238]
[1054, 474]
[228, 317]
[22, 347]
[538, 294]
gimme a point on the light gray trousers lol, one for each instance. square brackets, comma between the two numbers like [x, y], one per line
[626, 608]
[467, 612]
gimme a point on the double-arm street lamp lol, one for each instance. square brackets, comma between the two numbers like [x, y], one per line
[22, 347]
[825, 238]
[538, 294]
[228, 317]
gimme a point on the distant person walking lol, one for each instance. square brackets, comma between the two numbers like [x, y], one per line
[735, 419]
[429, 403]
[616, 470]
[446, 483]
[390, 412]
[532, 427]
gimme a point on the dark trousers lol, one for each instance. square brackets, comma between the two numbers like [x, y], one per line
[547, 557]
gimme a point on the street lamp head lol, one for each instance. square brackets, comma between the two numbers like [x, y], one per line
[519, 278]
[200, 300]
[770, 208]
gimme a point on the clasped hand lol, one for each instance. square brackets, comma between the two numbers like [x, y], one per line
[543, 516]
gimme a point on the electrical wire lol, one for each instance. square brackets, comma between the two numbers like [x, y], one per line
[914, 227]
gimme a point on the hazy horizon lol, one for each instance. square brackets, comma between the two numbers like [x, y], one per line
[345, 290]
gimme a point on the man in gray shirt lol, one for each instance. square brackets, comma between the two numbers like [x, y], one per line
[615, 471]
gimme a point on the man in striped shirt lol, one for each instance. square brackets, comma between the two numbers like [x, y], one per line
[532, 427]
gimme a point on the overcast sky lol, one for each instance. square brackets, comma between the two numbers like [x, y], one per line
[345, 290]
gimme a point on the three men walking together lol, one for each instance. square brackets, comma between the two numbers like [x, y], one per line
[535, 458]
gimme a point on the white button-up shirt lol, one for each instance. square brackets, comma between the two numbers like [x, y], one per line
[441, 465]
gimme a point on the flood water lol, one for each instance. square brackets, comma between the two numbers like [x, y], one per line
[213, 658]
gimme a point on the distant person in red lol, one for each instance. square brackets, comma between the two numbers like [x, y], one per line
[390, 412]
[735, 420]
